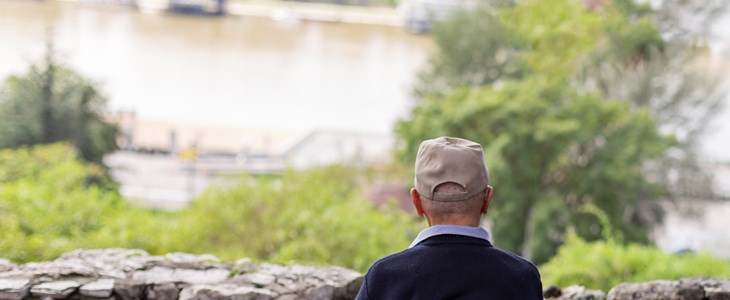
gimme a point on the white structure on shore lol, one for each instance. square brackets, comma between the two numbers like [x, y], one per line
[166, 164]
[700, 225]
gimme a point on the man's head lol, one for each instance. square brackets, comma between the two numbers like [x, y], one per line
[452, 182]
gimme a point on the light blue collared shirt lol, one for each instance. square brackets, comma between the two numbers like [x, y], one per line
[476, 232]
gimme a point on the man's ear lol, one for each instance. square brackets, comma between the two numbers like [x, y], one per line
[416, 199]
[487, 199]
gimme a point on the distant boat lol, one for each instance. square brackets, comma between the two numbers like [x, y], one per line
[193, 7]
[198, 7]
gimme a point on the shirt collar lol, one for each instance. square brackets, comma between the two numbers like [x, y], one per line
[476, 232]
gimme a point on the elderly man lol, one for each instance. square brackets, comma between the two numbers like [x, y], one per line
[452, 258]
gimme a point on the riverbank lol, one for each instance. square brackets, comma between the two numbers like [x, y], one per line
[286, 11]
[290, 11]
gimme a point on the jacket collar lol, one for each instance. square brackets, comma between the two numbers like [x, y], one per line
[475, 232]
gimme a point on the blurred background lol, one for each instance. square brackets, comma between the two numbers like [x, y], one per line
[285, 131]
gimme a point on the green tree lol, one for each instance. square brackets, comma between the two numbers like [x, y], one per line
[53, 103]
[661, 61]
[552, 146]
[472, 62]
[550, 150]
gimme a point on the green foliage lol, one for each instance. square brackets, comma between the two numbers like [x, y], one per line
[53, 103]
[549, 150]
[469, 61]
[551, 146]
[51, 203]
[604, 264]
[658, 59]
[559, 33]
[317, 216]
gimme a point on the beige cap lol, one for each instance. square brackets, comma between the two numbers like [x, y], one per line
[448, 159]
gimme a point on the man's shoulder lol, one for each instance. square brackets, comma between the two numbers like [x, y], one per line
[393, 259]
[519, 261]
[512, 255]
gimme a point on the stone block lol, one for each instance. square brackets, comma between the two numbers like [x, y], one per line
[325, 292]
[224, 291]
[717, 294]
[192, 261]
[163, 291]
[6, 265]
[55, 289]
[552, 292]
[130, 289]
[157, 275]
[659, 289]
[101, 288]
[14, 289]
[575, 292]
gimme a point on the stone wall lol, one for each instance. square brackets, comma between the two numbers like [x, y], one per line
[683, 289]
[134, 274]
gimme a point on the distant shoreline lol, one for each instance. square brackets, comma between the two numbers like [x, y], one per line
[287, 11]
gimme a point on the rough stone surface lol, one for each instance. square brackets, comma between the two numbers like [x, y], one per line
[14, 288]
[164, 291]
[157, 275]
[714, 289]
[55, 289]
[134, 274]
[684, 289]
[128, 289]
[102, 288]
[225, 291]
[573, 292]
[6, 265]
[552, 292]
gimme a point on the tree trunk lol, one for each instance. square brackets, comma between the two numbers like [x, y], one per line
[48, 77]
[526, 250]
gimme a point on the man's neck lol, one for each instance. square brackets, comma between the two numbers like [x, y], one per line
[459, 222]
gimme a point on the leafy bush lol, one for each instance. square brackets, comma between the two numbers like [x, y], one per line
[317, 216]
[49, 205]
[604, 264]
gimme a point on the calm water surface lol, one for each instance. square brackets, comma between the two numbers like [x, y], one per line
[238, 71]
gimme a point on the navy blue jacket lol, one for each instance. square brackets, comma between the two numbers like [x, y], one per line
[452, 267]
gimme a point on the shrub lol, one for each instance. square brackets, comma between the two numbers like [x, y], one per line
[317, 216]
[604, 264]
[51, 202]
[49, 205]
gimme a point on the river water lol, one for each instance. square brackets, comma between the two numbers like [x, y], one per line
[237, 71]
